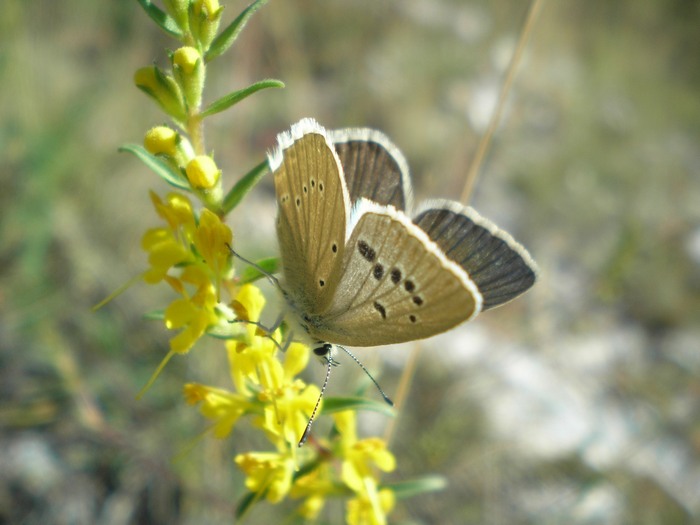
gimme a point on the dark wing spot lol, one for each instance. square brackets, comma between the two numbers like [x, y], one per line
[412, 318]
[378, 271]
[320, 186]
[395, 275]
[298, 202]
[409, 286]
[366, 251]
[380, 309]
[313, 183]
[306, 190]
[322, 283]
[418, 300]
[334, 248]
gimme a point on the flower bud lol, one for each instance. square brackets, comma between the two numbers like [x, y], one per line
[179, 10]
[161, 140]
[206, 15]
[202, 172]
[163, 89]
[189, 68]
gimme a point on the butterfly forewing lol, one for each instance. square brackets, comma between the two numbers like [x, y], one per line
[312, 203]
[374, 168]
[499, 266]
[396, 286]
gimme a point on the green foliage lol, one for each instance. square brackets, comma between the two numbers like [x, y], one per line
[159, 166]
[228, 36]
[235, 97]
[243, 186]
[162, 19]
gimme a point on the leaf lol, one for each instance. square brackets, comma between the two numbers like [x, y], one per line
[164, 170]
[251, 273]
[235, 97]
[413, 487]
[338, 404]
[155, 315]
[160, 17]
[228, 36]
[243, 186]
[246, 502]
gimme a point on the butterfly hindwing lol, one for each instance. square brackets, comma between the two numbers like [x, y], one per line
[374, 167]
[396, 285]
[312, 213]
[499, 266]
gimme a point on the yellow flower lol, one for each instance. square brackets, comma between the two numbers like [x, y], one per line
[191, 255]
[164, 252]
[361, 458]
[256, 368]
[268, 472]
[360, 455]
[315, 486]
[194, 314]
[365, 511]
[211, 239]
[220, 405]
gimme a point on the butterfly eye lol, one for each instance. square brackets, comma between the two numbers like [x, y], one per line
[323, 350]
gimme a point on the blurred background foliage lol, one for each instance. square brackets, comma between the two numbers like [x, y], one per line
[577, 404]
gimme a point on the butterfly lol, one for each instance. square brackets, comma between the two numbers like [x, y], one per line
[360, 267]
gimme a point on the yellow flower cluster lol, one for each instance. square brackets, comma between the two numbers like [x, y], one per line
[189, 253]
[281, 404]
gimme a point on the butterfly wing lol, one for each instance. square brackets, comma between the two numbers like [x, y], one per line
[374, 167]
[499, 266]
[396, 285]
[312, 212]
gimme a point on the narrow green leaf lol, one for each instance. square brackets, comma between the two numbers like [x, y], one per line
[235, 97]
[160, 17]
[228, 36]
[243, 186]
[246, 502]
[413, 487]
[155, 315]
[338, 404]
[164, 170]
[251, 273]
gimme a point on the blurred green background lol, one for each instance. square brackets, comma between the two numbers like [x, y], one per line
[577, 404]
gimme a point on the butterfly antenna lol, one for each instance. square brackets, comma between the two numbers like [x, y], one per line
[307, 431]
[386, 398]
[274, 280]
